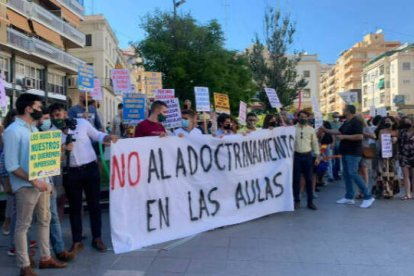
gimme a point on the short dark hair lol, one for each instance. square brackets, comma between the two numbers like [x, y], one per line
[26, 100]
[120, 106]
[303, 112]
[222, 118]
[189, 112]
[350, 108]
[45, 109]
[56, 107]
[376, 120]
[251, 114]
[157, 104]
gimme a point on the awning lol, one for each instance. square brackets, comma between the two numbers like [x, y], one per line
[70, 17]
[48, 34]
[381, 84]
[19, 21]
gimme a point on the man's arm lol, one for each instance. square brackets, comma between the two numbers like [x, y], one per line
[99, 136]
[331, 131]
[353, 137]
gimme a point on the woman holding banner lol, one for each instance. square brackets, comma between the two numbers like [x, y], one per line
[387, 184]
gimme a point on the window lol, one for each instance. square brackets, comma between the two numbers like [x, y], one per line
[306, 74]
[406, 81]
[35, 75]
[382, 98]
[406, 66]
[4, 68]
[88, 40]
[365, 78]
[306, 93]
[381, 70]
[55, 83]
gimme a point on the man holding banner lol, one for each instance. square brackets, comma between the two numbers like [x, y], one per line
[32, 197]
[189, 123]
[153, 125]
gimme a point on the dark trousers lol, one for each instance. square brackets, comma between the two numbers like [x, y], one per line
[85, 178]
[336, 164]
[302, 165]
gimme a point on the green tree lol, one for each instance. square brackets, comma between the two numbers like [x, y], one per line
[270, 61]
[189, 54]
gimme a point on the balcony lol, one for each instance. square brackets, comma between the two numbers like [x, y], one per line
[74, 6]
[43, 16]
[38, 48]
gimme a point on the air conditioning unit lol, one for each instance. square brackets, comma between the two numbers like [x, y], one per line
[28, 83]
[73, 82]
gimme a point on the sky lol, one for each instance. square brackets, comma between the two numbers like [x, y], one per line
[324, 27]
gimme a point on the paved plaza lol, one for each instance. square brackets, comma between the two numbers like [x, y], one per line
[335, 240]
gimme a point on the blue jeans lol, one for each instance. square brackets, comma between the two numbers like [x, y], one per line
[56, 239]
[350, 166]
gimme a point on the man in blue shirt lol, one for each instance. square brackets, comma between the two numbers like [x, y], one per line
[91, 114]
[32, 197]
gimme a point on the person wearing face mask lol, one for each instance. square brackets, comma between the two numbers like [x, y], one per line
[32, 197]
[306, 145]
[189, 123]
[387, 184]
[270, 122]
[336, 162]
[224, 126]
[152, 126]
[350, 135]
[406, 147]
[251, 121]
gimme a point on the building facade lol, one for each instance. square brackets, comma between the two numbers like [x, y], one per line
[346, 74]
[35, 37]
[309, 68]
[101, 50]
[388, 81]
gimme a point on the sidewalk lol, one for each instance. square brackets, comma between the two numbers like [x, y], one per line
[335, 240]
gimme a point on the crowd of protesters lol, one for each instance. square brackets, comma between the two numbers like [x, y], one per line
[347, 147]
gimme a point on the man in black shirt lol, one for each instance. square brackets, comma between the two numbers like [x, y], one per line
[350, 135]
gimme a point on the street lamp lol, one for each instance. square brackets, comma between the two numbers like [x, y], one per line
[177, 4]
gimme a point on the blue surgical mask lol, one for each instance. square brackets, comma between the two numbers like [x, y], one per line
[46, 125]
[186, 123]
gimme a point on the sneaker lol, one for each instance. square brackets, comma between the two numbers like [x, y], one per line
[345, 201]
[6, 229]
[367, 203]
[33, 244]
[11, 252]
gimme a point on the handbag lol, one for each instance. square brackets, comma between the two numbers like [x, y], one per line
[368, 152]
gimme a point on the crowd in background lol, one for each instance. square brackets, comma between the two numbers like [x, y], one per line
[346, 147]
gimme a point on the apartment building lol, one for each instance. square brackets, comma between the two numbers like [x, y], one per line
[388, 81]
[101, 50]
[324, 86]
[35, 37]
[346, 74]
[309, 68]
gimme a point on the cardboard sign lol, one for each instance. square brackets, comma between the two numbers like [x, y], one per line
[242, 113]
[315, 105]
[121, 81]
[386, 145]
[163, 189]
[134, 108]
[372, 111]
[45, 152]
[273, 98]
[96, 93]
[202, 99]
[174, 113]
[3, 97]
[164, 94]
[221, 103]
[382, 111]
[153, 82]
[86, 80]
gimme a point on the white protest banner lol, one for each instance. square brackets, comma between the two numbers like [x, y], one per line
[202, 98]
[168, 188]
[242, 113]
[386, 145]
[164, 94]
[3, 98]
[273, 98]
[96, 93]
[174, 113]
[121, 81]
[349, 97]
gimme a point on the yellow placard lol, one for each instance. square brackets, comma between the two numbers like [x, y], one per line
[45, 152]
[153, 81]
[221, 103]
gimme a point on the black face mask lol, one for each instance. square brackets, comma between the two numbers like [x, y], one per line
[272, 124]
[387, 125]
[227, 127]
[303, 121]
[36, 114]
[407, 125]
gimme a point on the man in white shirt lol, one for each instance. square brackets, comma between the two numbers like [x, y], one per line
[189, 120]
[82, 174]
